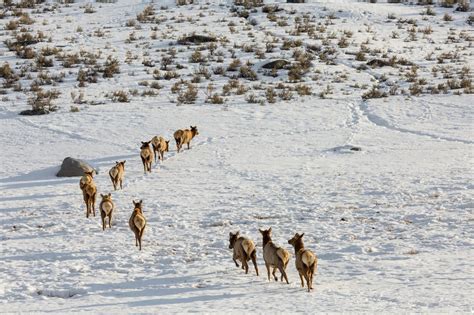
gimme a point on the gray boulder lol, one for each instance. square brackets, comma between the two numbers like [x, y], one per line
[196, 39]
[74, 167]
[277, 64]
[378, 63]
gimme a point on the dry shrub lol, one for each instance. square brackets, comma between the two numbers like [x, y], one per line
[247, 73]
[146, 15]
[188, 95]
[120, 96]
[374, 92]
[111, 67]
[41, 102]
[270, 95]
[303, 89]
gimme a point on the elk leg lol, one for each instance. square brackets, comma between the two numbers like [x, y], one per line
[283, 273]
[268, 270]
[86, 201]
[144, 165]
[245, 266]
[141, 236]
[93, 204]
[254, 260]
[308, 277]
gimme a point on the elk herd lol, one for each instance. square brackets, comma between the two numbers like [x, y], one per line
[156, 152]
[244, 249]
[274, 256]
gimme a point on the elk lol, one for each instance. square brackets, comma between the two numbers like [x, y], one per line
[137, 223]
[146, 155]
[274, 256]
[89, 191]
[185, 136]
[244, 250]
[306, 261]
[106, 209]
[161, 146]
[117, 173]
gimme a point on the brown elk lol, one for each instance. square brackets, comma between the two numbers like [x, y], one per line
[274, 256]
[106, 209]
[244, 250]
[146, 154]
[117, 173]
[306, 261]
[185, 136]
[160, 146]
[89, 191]
[137, 223]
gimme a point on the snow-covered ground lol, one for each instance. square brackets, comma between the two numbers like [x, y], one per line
[392, 224]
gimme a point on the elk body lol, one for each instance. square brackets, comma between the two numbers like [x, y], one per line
[137, 223]
[160, 146]
[275, 256]
[184, 137]
[244, 250]
[306, 261]
[106, 209]
[146, 154]
[117, 173]
[89, 192]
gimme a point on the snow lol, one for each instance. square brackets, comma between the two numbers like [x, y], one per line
[391, 224]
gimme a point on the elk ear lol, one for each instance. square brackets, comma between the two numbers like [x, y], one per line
[124, 161]
[230, 234]
[110, 195]
[237, 233]
[102, 195]
[142, 142]
[270, 230]
[260, 231]
[301, 236]
[140, 202]
[191, 127]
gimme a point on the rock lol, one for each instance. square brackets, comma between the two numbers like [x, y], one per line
[313, 48]
[348, 148]
[377, 63]
[74, 167]
[184, 2]
[271, 8]
[196, 39]
[32, 112]
[276, 64]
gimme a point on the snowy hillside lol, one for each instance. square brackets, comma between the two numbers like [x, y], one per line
[391, 223]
